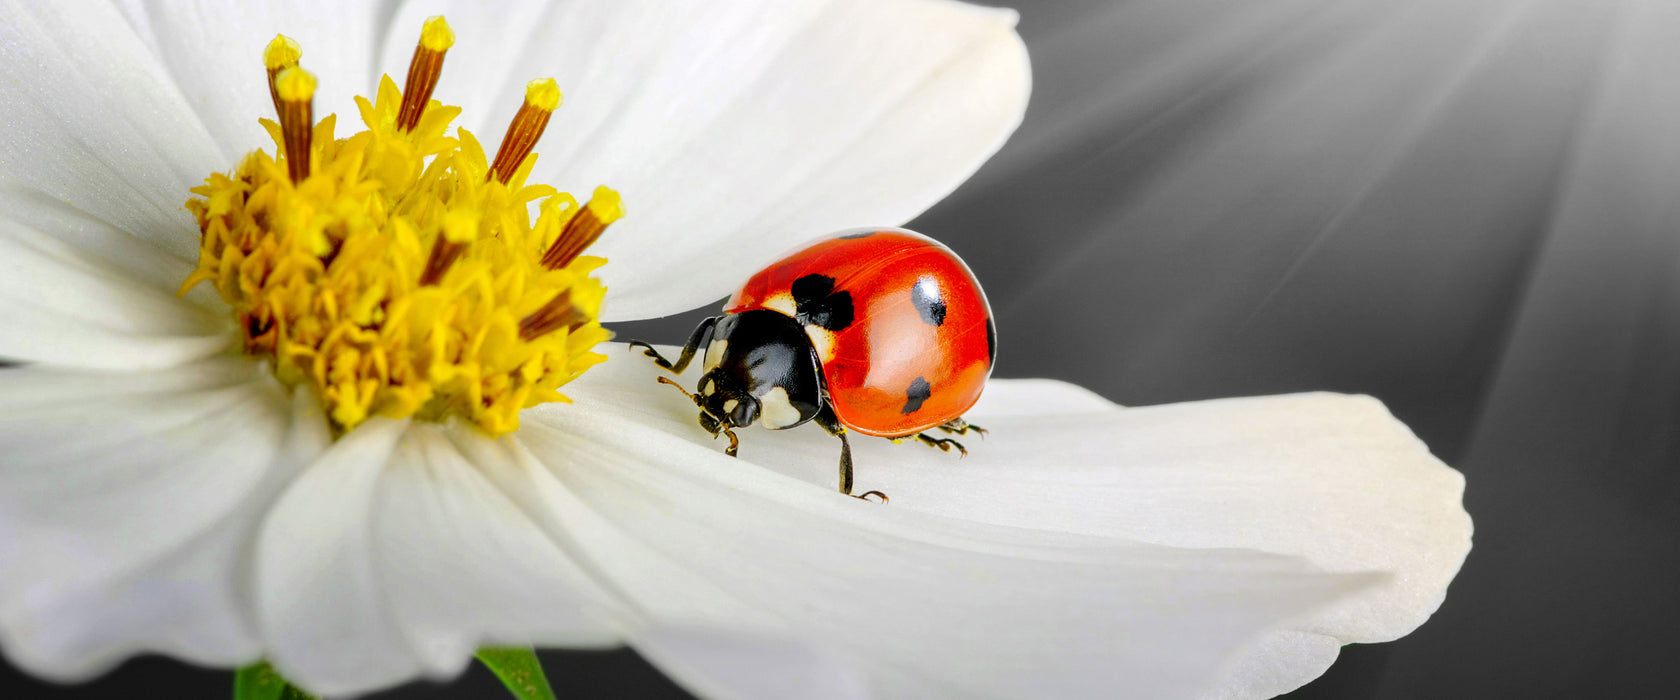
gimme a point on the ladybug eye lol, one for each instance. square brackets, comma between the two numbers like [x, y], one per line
[744, 412]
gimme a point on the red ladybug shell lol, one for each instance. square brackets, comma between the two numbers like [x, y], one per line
[901, 326]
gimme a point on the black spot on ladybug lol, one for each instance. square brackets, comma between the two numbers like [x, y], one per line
[860, 234]
[991, 342]
[925, 295]
[818, 304]
[919, 391]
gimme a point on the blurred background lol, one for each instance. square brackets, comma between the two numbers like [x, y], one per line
[1466, 208]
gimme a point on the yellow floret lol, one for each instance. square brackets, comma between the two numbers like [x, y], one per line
[436, 34]
[325, 276]
[295, 84]
[543, 93]
[281, 52]
[606, 205]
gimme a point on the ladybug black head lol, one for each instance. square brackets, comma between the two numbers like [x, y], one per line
[725, 399]
[760, 367]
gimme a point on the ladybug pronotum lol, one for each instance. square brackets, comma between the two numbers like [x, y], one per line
[884, 332]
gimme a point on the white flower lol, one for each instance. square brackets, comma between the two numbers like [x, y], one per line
[161, 492]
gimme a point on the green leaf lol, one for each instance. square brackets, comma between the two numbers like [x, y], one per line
[260, 681]
[519, 670]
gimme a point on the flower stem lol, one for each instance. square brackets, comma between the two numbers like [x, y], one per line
[260, 681]
[519, 670]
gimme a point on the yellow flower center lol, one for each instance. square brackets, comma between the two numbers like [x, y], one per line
[399, 272]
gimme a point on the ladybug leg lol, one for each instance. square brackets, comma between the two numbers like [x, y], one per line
[944, 444]
[958, 426]
[830, 423]
[701, 337]
[734, 442]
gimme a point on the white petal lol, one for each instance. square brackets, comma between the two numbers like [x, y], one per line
[718, 664]
[64, 304]
[633, 569]
[922, 604]
[737, 129]
[319, 604]
[50, 223]
[213, 53]
[465, 568]
[1280, 661]
[91, 119]
[1332, 478]
[394, 556]
[127, 505]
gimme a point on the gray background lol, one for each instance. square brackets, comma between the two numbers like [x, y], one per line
[1464, 208]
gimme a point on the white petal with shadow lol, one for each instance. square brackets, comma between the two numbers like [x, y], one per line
[737, 129]
[1331, 478]
[921, 603]
[52, 224]
[318, 597]
[127, 506]
[464, 567]
[395, 555]
[62, 302]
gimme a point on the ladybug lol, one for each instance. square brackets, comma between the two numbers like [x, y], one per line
[883, 332]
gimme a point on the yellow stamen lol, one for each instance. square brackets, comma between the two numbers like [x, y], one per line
[393, 273]
[423, 71]
[542, 97]
[584, 228]
[282, 53]
[296, 90]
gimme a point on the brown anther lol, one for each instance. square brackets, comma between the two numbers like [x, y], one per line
[556, 314]
[584, 228]
[295, 89]
[456, 233]
[423, 71]
[542, 97]
[444, 253]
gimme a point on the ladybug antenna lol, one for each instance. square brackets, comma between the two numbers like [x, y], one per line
[707, 420]
[691, 397]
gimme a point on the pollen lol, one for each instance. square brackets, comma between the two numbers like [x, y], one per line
[398, 271]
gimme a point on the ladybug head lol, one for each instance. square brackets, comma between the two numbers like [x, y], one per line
[725, 401]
